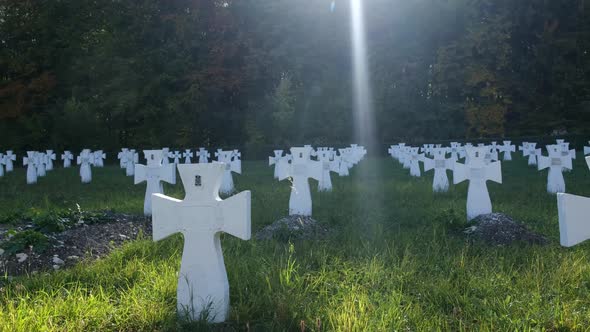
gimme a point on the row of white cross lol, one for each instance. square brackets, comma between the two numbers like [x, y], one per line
[39, 163]
[158, 169]
[481, 165]
[299, 167]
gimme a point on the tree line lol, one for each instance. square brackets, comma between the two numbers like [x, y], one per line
[260, 73]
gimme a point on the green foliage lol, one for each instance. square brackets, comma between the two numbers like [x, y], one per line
[23, 241]
[185, 72]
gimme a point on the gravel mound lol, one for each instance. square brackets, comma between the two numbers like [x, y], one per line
[81, 242]
[292, 227]
[500, 229]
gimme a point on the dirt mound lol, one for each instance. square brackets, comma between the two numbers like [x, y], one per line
[500, 229]
[292, 227]
[64, 249]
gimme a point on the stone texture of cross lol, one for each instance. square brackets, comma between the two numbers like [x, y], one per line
[203, 287]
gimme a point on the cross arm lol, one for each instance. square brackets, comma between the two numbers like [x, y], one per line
[494, 172]
[236, 215]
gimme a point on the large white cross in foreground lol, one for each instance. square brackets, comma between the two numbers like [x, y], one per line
[203, 288]
[574, 224]
[477, 172]
[154, 173]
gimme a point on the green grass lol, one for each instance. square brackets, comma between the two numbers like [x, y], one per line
[396, 261]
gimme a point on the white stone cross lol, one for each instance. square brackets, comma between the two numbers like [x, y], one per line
[455, 151]
[313, 152]
[165, 155]
[203, 155]
[507, 148]
[440, 164]
[99, 158]
[415, 159]
[275, 160]
[326, 157]
[85, 160]
[344, 161]
[122, 156]
[131, 158]
[10, 157]
[556, 162]
[565, 151]
[532, 152]
[30, 161]
[406, 158]
[187, 155]
[396, 150]
[2, 163]
[236, 159]
[176, 155]
[41, 162]
[477, 172]
[426, 149]
[50, 157]
[231, 165]
[491, 154]
[299, 171]
[153, 173]
[392, 151]
[203, 287]
[67, 157]
[524, 148]
[573, 211]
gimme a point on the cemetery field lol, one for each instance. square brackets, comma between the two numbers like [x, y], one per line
[396, 258]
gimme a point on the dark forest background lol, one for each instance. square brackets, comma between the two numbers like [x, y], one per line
[256, 73]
